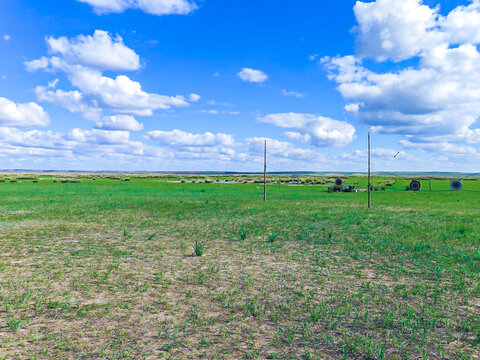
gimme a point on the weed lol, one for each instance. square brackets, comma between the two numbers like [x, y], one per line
[272, 237]
[242, 234]
[198, 248]
[14, 324]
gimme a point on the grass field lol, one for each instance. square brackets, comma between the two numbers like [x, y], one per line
[145, 269]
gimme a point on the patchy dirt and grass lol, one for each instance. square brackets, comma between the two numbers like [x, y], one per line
[107, 269]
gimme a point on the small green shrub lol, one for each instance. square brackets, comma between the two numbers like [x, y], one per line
[14, 324]
[198, 248]
[242, 234]
[272, 237]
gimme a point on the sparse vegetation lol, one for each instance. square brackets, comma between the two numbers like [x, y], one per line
[198, 249]
[242, 234]
[104, 269]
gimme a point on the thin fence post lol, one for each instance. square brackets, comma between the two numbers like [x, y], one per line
[369, 185]
[265, 172]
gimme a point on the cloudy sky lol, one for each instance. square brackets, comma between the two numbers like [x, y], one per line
[199, 84]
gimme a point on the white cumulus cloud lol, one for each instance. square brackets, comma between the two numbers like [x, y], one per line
[397, 29]
[83, 60]
[22, 115]
[120, 122]
[434, 98]
[281, 149]
[320, 131]
[154, 7]
[37, 64]
[252, 75]
[101, 137]
[73, 100]
[102, 50]
[178, 138]
[121, 94]
[194, 97]
[445, 148]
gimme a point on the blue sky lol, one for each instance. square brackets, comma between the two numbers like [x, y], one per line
[197, 85]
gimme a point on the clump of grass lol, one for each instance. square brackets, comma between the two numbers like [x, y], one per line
[242, 234]
[198, 248]
[14, 324]
[272, 237]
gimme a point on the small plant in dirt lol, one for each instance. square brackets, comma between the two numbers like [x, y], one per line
[272, 237]
[242, 234]
[14, 324]
[198, 248]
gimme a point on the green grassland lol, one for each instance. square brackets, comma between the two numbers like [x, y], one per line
[98, 268]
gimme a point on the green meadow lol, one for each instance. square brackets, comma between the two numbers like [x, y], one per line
[97, 268]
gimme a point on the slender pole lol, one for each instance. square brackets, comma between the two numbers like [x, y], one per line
[265, 173]
[369, 186]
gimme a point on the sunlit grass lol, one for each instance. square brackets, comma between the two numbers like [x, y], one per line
[104, 269]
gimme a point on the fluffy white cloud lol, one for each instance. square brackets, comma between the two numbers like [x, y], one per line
[82, 59]
[438, 99]
[216, 112]
[83, 141]
[462, 25]
[120, 122]
[251, 75]
[401, 29]
[37, 64]
[121, 94]
[178, 138]
[6, 37]
[397, 29]
[352, 108]
[99, 149]
[319, 130]
[99, 136]
[194, 97]
[74, 101]
[444, 148]
[22, 115]
[34, 138]
[281, 149]
[155, 7]
[188, 146]
[101, 51]
[294, 135]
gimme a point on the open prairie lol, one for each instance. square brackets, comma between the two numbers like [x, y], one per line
[149, 269]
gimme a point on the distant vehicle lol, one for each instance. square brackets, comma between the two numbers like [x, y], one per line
[349, 188]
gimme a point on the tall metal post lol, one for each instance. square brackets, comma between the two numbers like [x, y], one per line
[265, 172]
[369, 185]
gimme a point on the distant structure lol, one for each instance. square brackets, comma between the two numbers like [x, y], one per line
[456, 185]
